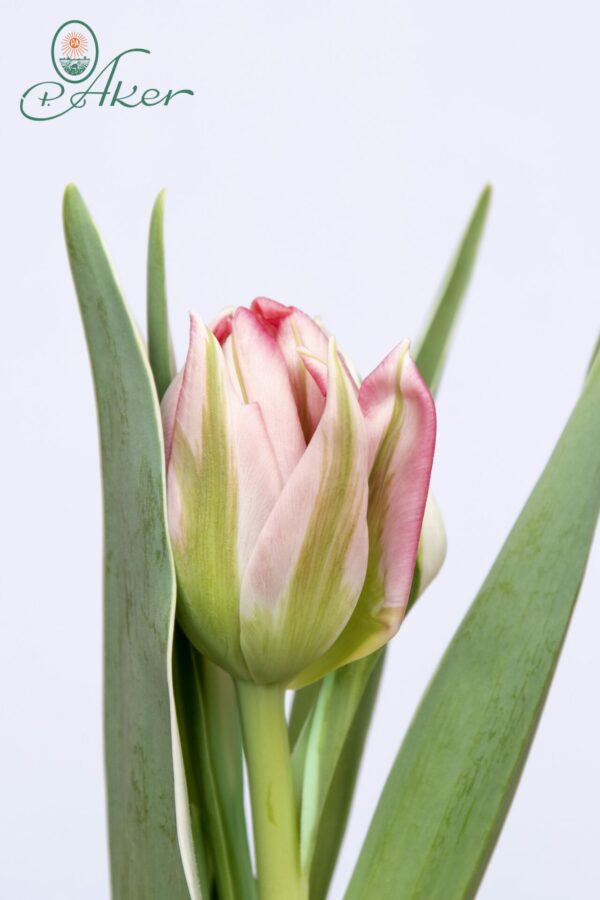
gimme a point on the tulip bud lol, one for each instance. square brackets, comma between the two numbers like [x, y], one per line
[295, 499]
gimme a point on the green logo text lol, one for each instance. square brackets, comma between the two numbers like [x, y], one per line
[75, 57]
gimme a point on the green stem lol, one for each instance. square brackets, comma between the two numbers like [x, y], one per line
[271, 790]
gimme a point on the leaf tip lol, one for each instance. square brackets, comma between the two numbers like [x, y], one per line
[159, 203]
[485, 199]
[70, 196]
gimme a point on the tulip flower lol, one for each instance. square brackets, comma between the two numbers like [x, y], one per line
[295, 498]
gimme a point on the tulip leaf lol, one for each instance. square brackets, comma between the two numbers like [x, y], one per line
[214, 768]
[160, 351]
[595, 353]
[332, 718]
[431, 350]
[224, 744]
[430, 358]
[151, 850]
[304, 700]
[201, 794]
[339, 799]
[453, 780]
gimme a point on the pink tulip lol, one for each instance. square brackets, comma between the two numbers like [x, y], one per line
[295, 498]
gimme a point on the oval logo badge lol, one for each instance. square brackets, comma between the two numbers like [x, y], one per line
[74, 51]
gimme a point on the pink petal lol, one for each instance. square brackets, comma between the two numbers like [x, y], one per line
[223, 481]
[259, 479]
[308, 565]
[400, 419]
[168, 409]
[316, 368]
[377, 396]
[201, 487]
[265, 381]
[292, 329]
[402, 463]
[270, 310]
[221, 326]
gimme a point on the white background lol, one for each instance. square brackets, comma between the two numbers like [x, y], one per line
[329, 158]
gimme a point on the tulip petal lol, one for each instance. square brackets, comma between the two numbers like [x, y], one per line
[307, 569]
[221, 326]
[316, 368]
[400, 417]
[432, 545]
[293, 329]
[259, 479]
[202, 495]
[223, 480]
[264, 379]
[232, 367]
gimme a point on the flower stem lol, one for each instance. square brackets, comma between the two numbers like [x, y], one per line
[274, 815]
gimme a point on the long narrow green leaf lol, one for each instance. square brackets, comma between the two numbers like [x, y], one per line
[431, 350]
[334, 712]
[225, 762]
[451, 786]
[304, 700]
[205, 820]
[595, 353]
[430, 358]
[160, 352]
[139, 592]
[339, 799]
[213, 774]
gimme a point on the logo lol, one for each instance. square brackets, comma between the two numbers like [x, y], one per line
[74, 51]
[75, 57]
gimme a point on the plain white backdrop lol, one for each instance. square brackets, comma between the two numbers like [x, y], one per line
[329, 158]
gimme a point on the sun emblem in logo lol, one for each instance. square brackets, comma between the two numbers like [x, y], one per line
[74, 45]
[74, 50]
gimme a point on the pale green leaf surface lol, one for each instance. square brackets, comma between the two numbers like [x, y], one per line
[160, 352]
[205, 818]
[304, 700]
[430, 351]
[332, 718]
[453, 780]
[225, 762]
[214, 772]
[334, 816]
[594, 354]
[147, 803]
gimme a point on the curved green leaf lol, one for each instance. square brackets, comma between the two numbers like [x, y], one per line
[451, 786]
[213, 765]
[430, 352]
[304, 700]
[143, 756]
[205, 819]
[332, 718]
[160, 351]
[335, 813]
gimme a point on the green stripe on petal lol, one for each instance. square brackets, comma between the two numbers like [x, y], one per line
[203, 503]
[401, 423]
[308, 566]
